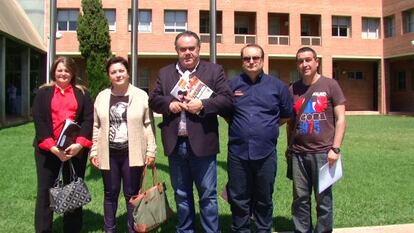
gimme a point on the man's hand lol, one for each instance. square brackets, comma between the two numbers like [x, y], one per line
[176, 107]
[332, 157]
[194, 106]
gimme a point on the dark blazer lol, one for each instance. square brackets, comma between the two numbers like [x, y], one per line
[42, 116]
[202, 128]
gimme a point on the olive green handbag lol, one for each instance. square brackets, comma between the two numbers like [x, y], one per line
[151, 206]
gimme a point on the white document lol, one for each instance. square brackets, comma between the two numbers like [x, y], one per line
[329, 175]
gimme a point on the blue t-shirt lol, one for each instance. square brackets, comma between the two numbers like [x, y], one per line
[254, 126]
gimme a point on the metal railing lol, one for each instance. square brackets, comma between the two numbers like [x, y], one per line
[311, 40]
[244, 39]
[278, 39]
[205, 38]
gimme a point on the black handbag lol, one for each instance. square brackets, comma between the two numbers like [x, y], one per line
[64, 198]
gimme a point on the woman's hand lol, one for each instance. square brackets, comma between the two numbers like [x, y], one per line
[73, 150]
[94, 161]
[59, 153]
[150, 161]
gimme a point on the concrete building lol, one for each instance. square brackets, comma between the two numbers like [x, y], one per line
[368, 46]
[22, 59]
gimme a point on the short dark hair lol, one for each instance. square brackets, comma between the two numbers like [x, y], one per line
[188, 34]
[254, 46]
[307, 49]
[69, 63]
[117, 59]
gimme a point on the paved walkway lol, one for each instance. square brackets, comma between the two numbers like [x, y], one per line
[401, 228]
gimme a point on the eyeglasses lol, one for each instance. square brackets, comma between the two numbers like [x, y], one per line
[184, 49]
[255, 59]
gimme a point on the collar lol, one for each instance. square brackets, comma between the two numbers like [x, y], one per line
[181, 70]
[259, 77]
[68, 89]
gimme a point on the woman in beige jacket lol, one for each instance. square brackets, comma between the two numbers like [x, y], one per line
[123, 140]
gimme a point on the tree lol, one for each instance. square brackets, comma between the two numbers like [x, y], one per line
[94, 44]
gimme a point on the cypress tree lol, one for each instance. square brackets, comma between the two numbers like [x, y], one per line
[94, 44]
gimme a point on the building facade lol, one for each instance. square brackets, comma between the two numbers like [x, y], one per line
[22, 58]
[368, 46]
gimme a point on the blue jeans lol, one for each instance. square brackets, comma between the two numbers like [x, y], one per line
[186, 169]
[250, 189]
[305, 177]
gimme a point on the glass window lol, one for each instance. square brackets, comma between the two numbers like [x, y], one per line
[341, 26]
[175, 21]
[412, 80]
[401, 82]
[370, 28]
[241, 25]
[67, 20]
[143, 78]
[111, 17]
[389, 26]
[205, 22]
[144, 20]
[355, 75]
[408, 17]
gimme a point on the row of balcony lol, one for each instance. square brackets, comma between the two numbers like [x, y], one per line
[272, 39]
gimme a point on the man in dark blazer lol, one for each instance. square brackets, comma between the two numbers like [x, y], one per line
[190, 131]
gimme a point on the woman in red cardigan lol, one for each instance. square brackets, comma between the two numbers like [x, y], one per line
[54, 103]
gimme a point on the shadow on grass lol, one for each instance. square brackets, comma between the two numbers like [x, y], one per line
[93, 222]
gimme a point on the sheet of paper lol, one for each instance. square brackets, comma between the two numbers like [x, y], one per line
[329, 175]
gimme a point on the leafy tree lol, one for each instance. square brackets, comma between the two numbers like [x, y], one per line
[94, 43]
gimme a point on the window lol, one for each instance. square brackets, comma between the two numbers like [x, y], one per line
[143, 78]
[412, 80]
[175, 21]
[341, 26]
[401, 81]
[408, 23]
[355, 75]
[110, 15]
[389, 26]
[205, 22]
[293, 76]
[67, 20]
[370, 28]
[241, 24]
[144, 20]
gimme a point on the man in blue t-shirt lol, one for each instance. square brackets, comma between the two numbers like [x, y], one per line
[261, 102]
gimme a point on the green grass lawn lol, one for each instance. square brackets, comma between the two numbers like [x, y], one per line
[377, 187]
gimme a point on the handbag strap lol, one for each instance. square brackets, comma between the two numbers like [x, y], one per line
[59, 179]
[144, 177]
[308, 96]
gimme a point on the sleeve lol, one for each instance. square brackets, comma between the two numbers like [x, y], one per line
[338, 96]
[95, 129]
[158, 101]
[222, 102]
[85, 133]
[43, 126]
[149, 131]
[286, 102]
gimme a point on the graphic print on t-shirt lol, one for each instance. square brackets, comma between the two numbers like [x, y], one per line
[313, 114]
[118, 131]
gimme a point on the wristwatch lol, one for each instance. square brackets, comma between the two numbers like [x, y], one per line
[336, 150]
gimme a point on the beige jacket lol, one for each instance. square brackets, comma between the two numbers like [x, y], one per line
[141, 131]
